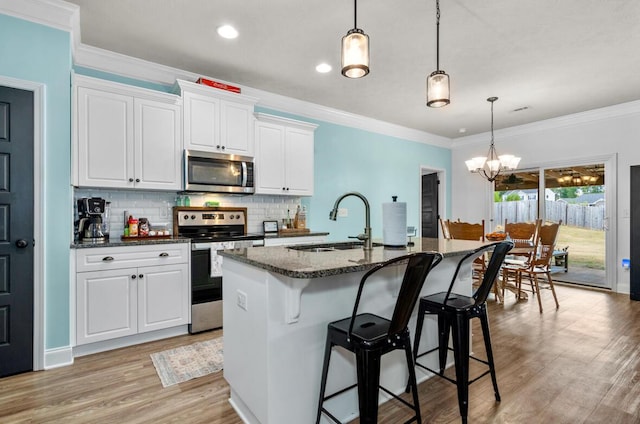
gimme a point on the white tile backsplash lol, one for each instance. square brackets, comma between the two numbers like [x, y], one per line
[157, 207]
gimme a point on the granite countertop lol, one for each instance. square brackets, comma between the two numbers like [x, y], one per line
[288, 235]
[308, 264]
[117, 242]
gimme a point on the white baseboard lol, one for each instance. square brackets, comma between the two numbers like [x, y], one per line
[103, 346]
[58, 357]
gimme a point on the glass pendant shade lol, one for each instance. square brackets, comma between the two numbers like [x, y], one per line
[355, 54]
[438, 89]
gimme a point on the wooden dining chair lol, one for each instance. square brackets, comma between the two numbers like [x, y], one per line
[538, 264]
[459, 230]
[445, 228]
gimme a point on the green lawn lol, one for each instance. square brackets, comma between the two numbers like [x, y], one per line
[586, 247]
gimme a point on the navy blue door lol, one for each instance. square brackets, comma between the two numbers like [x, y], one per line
[16, 231]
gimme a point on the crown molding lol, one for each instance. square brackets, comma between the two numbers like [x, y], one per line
[131, 67]
[580, 118]
[53, 13]
[66, 16]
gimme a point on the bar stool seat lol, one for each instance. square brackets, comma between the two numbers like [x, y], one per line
[370, 336]
[454, 312]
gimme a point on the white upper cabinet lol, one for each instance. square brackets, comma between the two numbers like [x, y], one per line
[125, 137]
[284, 156]
[217, 120]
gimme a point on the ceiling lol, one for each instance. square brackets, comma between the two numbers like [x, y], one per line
[550, 57]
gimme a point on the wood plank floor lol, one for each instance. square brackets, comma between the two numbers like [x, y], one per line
[579, 364]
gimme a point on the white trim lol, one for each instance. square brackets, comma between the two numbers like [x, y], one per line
[135, 339]
[58, 357]
[131, 67]
[53, 13]
[39, 124]
[124, 89]
[574, 119]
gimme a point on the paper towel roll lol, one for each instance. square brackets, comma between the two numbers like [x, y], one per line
[394, 224]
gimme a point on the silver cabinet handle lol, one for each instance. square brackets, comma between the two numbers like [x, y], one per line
[107, 258]
[163, 255]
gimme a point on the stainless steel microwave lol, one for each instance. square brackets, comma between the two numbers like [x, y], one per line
[218, 173]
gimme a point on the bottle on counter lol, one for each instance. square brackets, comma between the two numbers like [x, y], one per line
[143, 227]
[133, 227]
[302, 217]
[296, 218]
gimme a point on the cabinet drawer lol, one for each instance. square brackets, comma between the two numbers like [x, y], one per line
[107, 258]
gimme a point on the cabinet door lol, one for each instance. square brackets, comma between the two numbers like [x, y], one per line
[299, 162]
[163, 297]
[236, 128]
[106, 305]
[157, 145]
[201, 122]
[105, 135]
[270, 159]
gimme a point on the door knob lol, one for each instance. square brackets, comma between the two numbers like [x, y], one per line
[22, 243]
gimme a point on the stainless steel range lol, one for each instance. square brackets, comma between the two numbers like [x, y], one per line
[210, 230]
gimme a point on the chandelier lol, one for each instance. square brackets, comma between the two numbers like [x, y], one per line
[492, 165]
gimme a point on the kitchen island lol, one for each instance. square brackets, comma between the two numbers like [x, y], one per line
[277, 304]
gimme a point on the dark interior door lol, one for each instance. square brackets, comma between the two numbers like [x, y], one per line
[16, 231]
[430, 205]
[635, 233]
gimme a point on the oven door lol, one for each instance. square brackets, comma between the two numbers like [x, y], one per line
[204, 287]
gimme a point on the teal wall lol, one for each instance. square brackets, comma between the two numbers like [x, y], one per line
[378, 166]
[346, 159]
[42, 54]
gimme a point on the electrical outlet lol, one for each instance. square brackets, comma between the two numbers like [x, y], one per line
[242, 299]
[343, 212]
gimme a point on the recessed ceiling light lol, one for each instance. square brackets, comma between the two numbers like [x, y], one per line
[227, 31]
[323, 68]
[462, 130]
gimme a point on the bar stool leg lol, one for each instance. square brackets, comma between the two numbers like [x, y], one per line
[413, 381]
[368, 371]
[419, 322]
[325, 371]
[484, 321]
[461, 353]
[444, 328]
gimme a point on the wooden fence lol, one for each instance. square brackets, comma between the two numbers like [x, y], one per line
[584, 216]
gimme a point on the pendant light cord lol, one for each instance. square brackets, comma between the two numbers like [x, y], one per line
[437, 35]
[355, 14]
[491, 123]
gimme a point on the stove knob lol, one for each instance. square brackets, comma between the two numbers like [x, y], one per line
[193, 217]
[237, 216]
[231, 217]
[186, 217]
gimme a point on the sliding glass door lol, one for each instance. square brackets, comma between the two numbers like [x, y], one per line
[577, 196]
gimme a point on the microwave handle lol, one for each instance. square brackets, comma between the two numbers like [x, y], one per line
[244, 174]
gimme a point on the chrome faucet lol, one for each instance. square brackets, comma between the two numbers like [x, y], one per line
[366, 237]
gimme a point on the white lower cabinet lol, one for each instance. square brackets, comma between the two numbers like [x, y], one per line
[115, 299]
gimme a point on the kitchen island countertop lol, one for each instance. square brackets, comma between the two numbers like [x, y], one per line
[308, 264]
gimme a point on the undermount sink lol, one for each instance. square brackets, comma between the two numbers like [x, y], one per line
[330, 247]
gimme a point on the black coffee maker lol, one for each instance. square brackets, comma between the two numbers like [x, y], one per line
[90, 211]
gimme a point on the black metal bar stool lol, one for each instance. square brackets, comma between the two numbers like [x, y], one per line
[370, 336]
[455, 312]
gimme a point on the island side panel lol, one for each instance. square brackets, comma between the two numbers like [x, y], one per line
[245, 337]
[294, 351]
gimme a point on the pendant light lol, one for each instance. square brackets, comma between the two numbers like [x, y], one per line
[438, 81]
[355, 50]
[492, 165]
